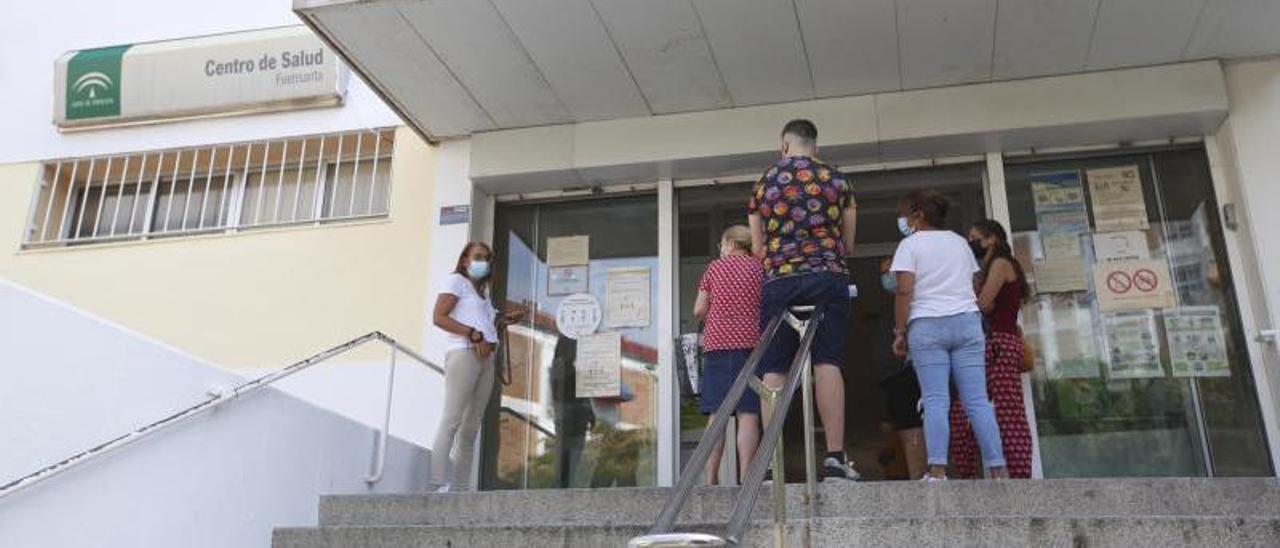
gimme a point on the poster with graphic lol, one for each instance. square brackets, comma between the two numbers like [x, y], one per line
[1132, 345]
[578, 315]
[1118, 203]
[1067, 341]
[598, 366]
[1197, 345]
[567, 280]
[1129, 245]
[1059, 202]
[1133, 285]
[627, 297]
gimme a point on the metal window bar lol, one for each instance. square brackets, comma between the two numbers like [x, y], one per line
[137, 193]
[780, 401]
[219, 397]
[173, 187]
[84, 199]
[317, 201]
[297, 184]
[373, 177]
[102, 196]
[191, 181]
[221, 218]
[153, 199]
[208, 182]
[115, 214]
[355, 175]
[276, 206]
[48, 209]
[262, 184]
[337, 166]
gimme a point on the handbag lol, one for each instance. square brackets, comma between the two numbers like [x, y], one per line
[1028, 353]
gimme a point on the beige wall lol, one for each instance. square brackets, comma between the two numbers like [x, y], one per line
[256, 299]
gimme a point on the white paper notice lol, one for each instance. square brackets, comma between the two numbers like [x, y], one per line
[566, 280]
[1132, 285]
[1116, 194]
[568, 251]
[1132, 345]
[1061, 245]
[1197, 345]
[598, 366]
[1060, 276]
[626, 297]
[578, 315]
[1130, 245]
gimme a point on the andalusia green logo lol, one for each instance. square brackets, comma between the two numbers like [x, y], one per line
[93, 83]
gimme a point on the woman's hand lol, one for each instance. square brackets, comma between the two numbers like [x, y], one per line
[513, 316]
[900, 345]
[483, 349]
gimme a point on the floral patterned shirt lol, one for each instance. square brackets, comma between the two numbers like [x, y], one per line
[801, 200]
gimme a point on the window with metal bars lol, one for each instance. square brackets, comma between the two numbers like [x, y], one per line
[313, 179]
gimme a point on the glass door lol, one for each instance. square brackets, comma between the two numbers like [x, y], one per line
[580, 405]
[1141, 367]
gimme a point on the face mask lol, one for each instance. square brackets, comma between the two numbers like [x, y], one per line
[976, 247]
[478, 270]
[905, 228]
[889, 282]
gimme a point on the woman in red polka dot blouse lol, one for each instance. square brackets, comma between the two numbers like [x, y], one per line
[729, 303]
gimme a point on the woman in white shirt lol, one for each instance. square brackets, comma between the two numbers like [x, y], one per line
[938, 321]
[464, 311]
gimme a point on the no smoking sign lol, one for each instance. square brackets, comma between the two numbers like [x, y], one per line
[1133, 285]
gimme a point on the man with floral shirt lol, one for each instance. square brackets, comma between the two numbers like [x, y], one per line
[802, 217]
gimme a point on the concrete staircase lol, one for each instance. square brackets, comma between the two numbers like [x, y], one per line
[1075, 513]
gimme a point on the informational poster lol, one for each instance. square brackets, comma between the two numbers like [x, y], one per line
[568, 251]
[1067, 340]
[1118, 203]
[1061, 245]
[598, 366]
[1133, 285]
[567, 280]
[1197, 345]
[1129, 245]
[1059, 202]
[1132, 345]
[690, 343]
[578, 315]
[1061, 276]
[626, 297]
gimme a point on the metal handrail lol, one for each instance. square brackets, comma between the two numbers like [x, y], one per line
[780, 400]
[526, 418]
[219, 397]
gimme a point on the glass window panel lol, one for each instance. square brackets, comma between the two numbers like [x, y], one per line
[285, 196]
[343, 180]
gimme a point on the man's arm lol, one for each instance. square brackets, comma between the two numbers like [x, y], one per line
[849, 226]
[756, 224]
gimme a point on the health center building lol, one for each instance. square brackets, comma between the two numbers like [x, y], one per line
[252, 186]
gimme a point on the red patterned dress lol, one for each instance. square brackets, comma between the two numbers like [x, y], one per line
[1004, 387]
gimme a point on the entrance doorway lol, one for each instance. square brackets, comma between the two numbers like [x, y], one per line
[705, 211]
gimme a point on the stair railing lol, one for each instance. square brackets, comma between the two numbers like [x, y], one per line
[218, 398]
[778, 403]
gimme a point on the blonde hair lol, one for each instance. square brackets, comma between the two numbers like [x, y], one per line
[738, 236]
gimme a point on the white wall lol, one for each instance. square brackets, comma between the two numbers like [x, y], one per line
[71, 381]
[34, 34]
[453, 187]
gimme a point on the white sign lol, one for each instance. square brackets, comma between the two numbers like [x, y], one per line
[1133, 285]
[598, 366]
[627, 297]
[1118, 203]
[1060, 276]
[1197, 345]
[568, 251]
[225, 74]
[578, 315]
[1130, 245]
[567, 280]
[1132, 345]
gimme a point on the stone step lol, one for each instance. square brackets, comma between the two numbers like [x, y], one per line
[1075, 498]
[1093, 532]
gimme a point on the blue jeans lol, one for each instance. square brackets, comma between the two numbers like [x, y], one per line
[946, 348]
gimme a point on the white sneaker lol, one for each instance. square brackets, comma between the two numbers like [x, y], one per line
[929, 478]
[446, 488]
[833, 468]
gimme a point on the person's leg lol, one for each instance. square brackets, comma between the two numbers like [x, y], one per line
[968, 358]
[913, 451]
[926, 343]
[1004, 384]
[829, 393]
[712, 470]
[775, 297]
[831, 294]
[964, 449]
[459, 376]
[748, 441]
[479, 400]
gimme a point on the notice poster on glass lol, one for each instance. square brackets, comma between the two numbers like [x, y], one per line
[1062, 245]
[1067, 341]
[1132, 345]
[567, 280]
[1116, 196]
[1129, 245]
[1061, 275]
[1059, 202]
[598, 366]
[1197, 345]
[1133, 285]
[626, 297]
[568, 251]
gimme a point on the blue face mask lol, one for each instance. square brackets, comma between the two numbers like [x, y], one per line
[905, 228]
[478, 270]
[889, 282]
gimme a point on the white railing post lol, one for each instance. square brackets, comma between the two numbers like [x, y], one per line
[380, 452]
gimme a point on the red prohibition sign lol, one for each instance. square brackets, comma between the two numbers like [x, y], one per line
[1119, 282]
[1145, 280]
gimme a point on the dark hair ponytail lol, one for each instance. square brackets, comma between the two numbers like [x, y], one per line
[932, 205]
[989, 227]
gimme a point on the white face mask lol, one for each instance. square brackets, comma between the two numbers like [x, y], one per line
[478, 270]
[904, 227]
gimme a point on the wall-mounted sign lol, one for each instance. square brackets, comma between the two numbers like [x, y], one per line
[1133, 285]
[237, 73]
[578, 315]
[455, 214]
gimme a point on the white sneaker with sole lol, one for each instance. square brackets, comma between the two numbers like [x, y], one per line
[446, 488]
[833, 468]
[929, 478]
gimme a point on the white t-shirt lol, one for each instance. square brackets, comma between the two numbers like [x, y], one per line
[472, 310]
[944, 268]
